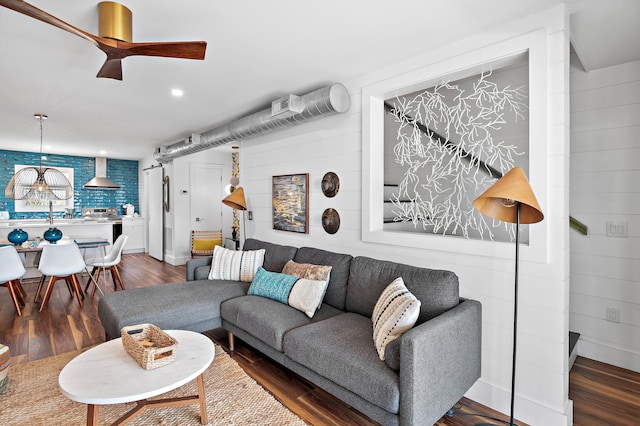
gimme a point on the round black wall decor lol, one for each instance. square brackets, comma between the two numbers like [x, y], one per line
[330, 221]
[330, 184]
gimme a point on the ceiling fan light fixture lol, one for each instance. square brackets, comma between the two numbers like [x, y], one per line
[115, 21]
[115, 36]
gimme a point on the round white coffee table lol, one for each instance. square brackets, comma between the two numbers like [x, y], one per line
[107, 374]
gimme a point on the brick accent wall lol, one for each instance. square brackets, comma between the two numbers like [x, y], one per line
[122, 172]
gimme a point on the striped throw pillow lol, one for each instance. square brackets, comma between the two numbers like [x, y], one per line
[396, 311]
[235, 265]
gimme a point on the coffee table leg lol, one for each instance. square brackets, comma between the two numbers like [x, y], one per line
[93, 412]
[203, 401]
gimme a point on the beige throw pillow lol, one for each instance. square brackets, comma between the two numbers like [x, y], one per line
[309, 271]
[395, 312]
[306, 295]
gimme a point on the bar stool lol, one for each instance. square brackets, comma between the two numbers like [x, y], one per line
[61, 261]
[10, 273]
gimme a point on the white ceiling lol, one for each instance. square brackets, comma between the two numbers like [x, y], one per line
[257, 51]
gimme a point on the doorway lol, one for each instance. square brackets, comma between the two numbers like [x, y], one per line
[205, 181]
[155, 213]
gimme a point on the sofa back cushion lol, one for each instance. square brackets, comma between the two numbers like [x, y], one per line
[437, 290]
[340, 263]
[276, 255]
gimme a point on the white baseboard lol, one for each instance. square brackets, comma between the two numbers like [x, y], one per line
[170, 258]
[527, 410]
[608, 353]
[572, 358]
[174, 260]
[133, 250]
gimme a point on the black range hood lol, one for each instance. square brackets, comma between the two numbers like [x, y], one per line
[100, 181]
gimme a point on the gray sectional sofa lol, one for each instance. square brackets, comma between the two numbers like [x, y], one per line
[425, 372]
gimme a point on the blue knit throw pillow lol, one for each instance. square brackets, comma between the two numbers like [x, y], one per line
[272, 285]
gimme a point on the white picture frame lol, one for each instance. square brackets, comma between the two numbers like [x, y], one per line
[32, 206]
[468, 64]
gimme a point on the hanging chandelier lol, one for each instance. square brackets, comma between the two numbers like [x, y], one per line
[38, 183]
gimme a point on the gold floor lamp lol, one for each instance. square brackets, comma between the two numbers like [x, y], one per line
[512, 200]
[237, 201]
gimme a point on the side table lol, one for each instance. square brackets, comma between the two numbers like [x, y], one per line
[235, 242]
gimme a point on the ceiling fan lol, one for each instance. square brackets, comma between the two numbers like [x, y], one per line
[115, 36]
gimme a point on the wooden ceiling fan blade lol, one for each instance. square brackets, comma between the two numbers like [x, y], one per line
[33, 12]
[115, 49]
[171, 49]
[112, 68]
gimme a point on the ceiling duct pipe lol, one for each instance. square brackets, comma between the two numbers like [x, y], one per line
[330, 100]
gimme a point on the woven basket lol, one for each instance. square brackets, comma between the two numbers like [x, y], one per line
[137, 339]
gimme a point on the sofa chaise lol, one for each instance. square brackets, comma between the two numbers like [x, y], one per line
[423, 374]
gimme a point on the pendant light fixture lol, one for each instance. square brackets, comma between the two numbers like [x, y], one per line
[38, 183]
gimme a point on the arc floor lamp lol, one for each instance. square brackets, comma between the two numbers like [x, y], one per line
[511, 200]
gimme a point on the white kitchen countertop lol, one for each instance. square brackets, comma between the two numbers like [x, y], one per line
[36, 223]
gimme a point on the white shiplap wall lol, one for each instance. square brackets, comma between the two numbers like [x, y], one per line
[336, 144]
[605, 178]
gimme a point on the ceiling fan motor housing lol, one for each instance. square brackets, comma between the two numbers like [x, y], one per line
[114, 21]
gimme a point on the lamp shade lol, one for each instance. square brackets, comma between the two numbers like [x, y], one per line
[236, 199]
[38, 183]
[500, 200]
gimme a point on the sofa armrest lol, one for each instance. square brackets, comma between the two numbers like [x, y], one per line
[193, 264]
[439, 362]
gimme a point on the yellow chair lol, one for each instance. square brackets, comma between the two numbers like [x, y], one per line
[203, 242]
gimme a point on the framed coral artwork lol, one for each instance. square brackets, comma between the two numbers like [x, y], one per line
[290, 203]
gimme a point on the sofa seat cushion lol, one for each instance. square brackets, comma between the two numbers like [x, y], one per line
[341, 349]
[267, 319]
[263, 318]
[168, 306]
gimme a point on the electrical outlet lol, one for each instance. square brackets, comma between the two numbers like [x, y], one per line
[617, 229]
[613, 314]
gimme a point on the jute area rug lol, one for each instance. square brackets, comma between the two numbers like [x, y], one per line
[233, 398]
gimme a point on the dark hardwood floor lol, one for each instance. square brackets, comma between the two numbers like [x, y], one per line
[602, 394]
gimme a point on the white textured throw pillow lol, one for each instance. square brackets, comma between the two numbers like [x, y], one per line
[309, 271]
[396, 311]
[235, 265]
[306, 295]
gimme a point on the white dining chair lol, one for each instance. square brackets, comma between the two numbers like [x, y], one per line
[10, 273]
[110, 261]
[61, 261]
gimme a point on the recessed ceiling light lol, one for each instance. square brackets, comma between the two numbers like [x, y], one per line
[103, 152]
[177, 92]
